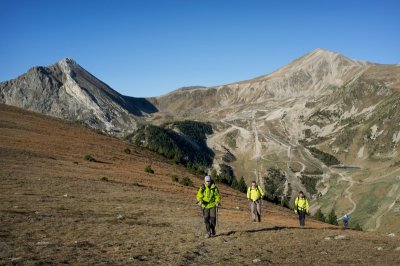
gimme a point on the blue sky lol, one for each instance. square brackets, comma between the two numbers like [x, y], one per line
[149, 48]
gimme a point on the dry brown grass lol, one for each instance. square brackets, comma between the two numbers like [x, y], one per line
[55, 209]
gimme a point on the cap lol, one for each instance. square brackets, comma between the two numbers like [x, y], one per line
[207, 179]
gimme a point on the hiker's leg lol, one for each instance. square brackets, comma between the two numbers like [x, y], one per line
[253, 210]
[299, 214]
[213, 220]
[206, 215]
[303, 218]
[258, 210]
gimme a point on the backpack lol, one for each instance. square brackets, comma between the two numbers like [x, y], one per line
[203, 187]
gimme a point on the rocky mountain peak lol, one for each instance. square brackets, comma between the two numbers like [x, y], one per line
[68, 64]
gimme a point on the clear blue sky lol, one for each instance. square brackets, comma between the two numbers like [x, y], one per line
[148, 48]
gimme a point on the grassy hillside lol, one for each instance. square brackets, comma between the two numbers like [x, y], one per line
[58, 208]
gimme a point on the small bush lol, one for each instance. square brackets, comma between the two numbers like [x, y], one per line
[148, 169]
[104, 178]
[127, 151]
[89, 158]
[76, 162]
[357, 227]
[332, 218]
[174, 178]
[186, 181]
[136, 184]
[319, 216]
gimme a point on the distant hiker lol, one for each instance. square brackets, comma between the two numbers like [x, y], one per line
[301, 207]
[254, 195]
[345, 220]
[208, 198]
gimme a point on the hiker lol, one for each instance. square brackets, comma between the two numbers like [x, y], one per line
[301, 207]
[254, 195]
[208, 198]
[345, 220]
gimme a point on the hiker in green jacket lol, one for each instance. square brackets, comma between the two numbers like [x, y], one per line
[254, 195]
[208, 198]
[301, 207]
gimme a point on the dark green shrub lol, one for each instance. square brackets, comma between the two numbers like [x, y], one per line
[242, 187]
[357, 227]
[332, 218]
[148, 169]
[186, 181]
[89, 158]
[136, 184]
[174, 178]
[127, 151]
[104, 178]
[319, 216]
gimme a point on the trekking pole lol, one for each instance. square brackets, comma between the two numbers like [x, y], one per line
[251, 216]
[201, 215]
[216, 217]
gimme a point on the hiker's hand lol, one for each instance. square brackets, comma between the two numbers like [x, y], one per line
[199, 203]
[295, 212]
[218, 204]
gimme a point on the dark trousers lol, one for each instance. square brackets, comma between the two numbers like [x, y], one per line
[302, 217]
[210, 219]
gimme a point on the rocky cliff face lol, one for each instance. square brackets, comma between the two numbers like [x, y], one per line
[68, 91]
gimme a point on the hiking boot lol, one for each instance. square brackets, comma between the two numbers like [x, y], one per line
[208, 235]
[213, 232]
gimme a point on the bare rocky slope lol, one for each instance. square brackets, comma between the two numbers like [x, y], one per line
[58, 208]
[68, 91]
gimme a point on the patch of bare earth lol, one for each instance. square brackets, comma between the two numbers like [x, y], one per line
[55, 209]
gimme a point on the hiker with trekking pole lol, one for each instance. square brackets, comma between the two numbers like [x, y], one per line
[255, 194]
[301, 207]
[208, 198]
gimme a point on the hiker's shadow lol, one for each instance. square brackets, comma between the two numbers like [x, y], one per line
[265, 229]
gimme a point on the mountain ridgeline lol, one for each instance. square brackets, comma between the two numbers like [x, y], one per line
[301, 127]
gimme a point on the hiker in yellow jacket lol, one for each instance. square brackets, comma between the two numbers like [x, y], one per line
[208, 198]
[254, 195]
[301, 207]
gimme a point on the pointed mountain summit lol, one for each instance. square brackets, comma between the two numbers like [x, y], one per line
[66, 90]
[314, 73]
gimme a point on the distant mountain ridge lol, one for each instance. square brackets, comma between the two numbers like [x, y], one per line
[68, 91]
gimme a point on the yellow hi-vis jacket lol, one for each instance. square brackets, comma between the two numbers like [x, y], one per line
[301, 204]
[208, 196]
[254, 194]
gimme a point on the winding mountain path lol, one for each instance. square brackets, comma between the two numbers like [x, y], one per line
[348, 193]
